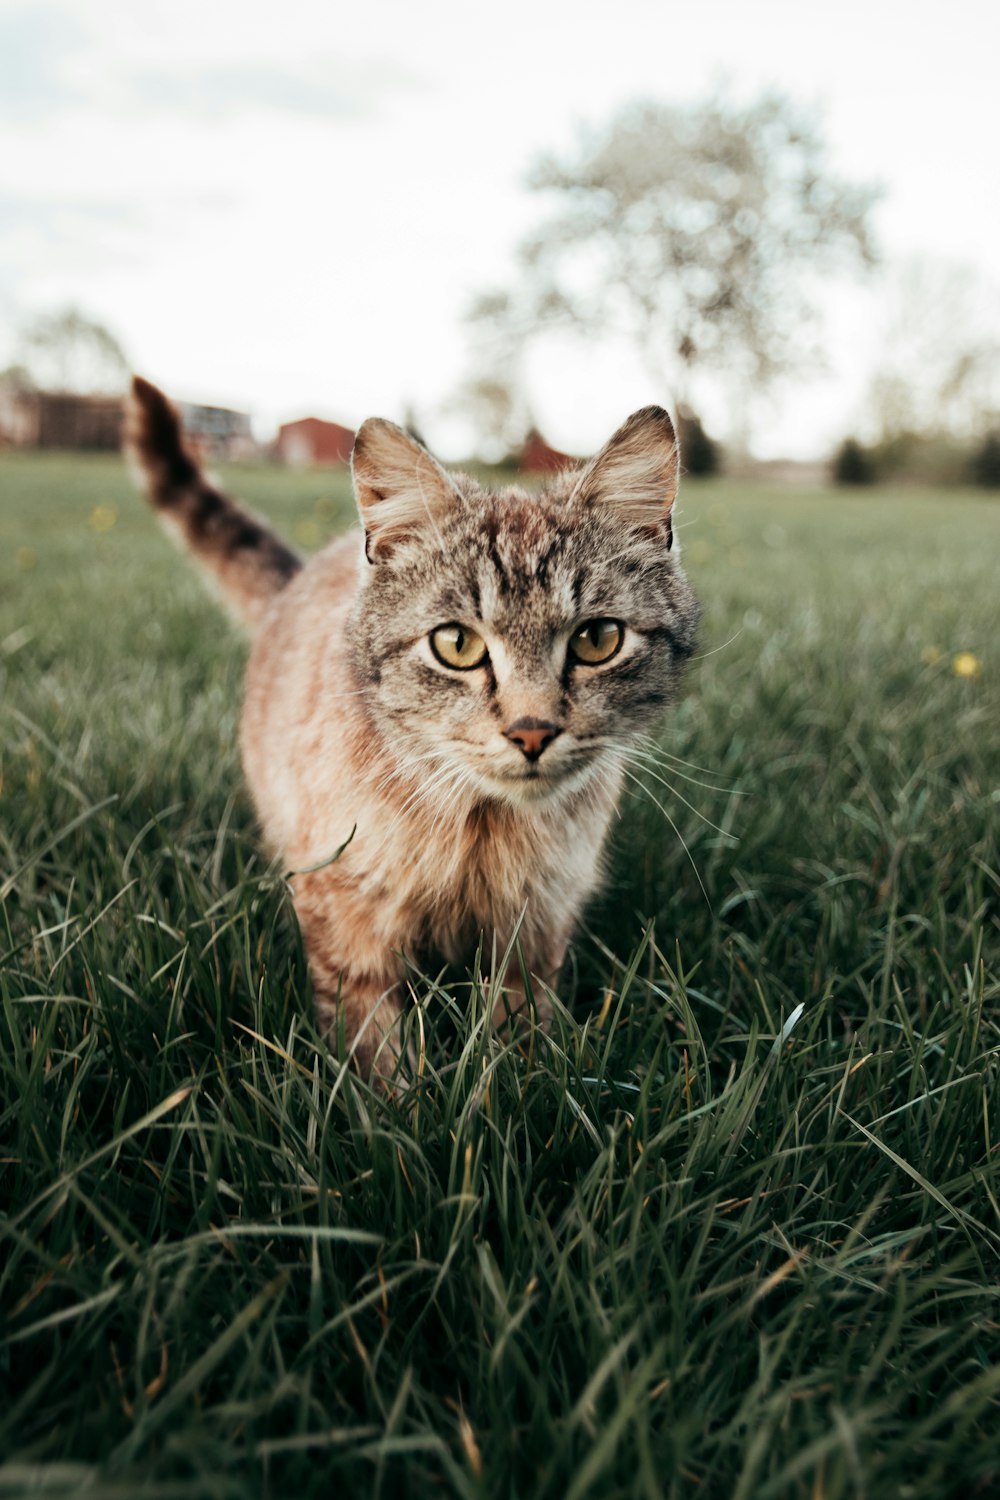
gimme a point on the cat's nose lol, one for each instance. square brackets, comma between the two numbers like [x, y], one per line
[532, 736]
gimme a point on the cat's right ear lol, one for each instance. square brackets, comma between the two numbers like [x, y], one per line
[635, 474]
[400, 489]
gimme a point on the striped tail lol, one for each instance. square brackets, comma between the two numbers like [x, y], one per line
[250, 563]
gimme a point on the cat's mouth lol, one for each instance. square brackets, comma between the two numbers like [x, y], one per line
[533, 783]
[530, 787]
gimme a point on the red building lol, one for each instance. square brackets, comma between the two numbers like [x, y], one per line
[537, 457]
[312, 441]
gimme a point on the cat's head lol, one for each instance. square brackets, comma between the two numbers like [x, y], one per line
[514, 644]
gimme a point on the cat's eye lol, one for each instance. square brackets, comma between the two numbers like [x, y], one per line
[596, 641]
[458, 647]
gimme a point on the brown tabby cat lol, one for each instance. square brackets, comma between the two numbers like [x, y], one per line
[462, 689]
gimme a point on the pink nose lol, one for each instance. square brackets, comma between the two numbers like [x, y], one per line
[532, 736]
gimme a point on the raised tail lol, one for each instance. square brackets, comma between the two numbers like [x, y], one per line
[250, 563]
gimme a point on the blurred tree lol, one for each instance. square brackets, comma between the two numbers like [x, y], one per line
[939, 363]
[986, 462]
[17, 378]
[853, 464]
[497, 410]
[67, 351]
[413, 424]
[934, 456]
[697, 232]
[700, 454]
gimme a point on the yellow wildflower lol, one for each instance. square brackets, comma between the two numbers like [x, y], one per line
[26, 559]
[930, 655]
[965, 664]
[308, 533]
[102, 517]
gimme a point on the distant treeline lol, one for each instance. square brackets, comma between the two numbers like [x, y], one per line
[932, 459]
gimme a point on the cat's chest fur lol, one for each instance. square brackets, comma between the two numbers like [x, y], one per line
[489, 869]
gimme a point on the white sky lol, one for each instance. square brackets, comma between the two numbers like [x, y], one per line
[286, 207]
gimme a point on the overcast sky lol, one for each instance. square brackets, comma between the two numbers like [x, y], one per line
[286, 208]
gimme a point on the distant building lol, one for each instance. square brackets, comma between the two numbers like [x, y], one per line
[218, 432]
[539, 457]
[61, 419]
[17, 414]
[46, 419]
[312, 441]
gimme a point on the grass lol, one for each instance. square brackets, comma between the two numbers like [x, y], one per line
[733, 1230]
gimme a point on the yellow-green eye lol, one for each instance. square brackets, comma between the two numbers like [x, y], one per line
[596, 641]
[459, 647]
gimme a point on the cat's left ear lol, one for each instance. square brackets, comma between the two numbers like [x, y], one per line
[635, 474]
[401, 490]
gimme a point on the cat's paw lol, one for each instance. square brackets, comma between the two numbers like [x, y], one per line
[367, 1030]
[515, 1014]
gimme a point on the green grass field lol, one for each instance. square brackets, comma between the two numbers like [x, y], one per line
[679, 1249]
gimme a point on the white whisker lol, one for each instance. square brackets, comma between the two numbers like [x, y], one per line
[654, 744]
[702, 654]
[646, 757]
[687, 804]
[643, 788]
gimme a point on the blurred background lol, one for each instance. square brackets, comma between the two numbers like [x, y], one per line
[509, 227]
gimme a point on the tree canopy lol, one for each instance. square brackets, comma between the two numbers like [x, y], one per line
[67, 351]
[699, 232]
[939, 352]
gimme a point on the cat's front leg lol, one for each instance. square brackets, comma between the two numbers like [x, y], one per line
[357, 986]
[368, 1014]
[543, 961]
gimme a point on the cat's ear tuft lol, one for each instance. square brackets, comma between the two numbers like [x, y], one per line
[635, 474]
[402, 492]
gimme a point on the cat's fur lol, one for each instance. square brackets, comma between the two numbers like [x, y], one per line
[478, 798]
